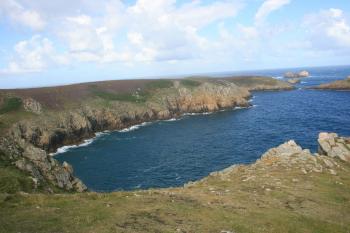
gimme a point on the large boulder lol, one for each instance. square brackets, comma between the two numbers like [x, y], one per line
[330, 144]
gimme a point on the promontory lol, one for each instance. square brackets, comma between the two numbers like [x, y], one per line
[336, 85]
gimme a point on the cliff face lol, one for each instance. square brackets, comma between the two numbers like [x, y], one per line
[29, 142]
[51, 131]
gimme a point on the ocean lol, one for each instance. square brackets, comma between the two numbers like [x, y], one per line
[174, 152]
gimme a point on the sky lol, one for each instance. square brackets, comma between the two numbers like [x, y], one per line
[59, 41]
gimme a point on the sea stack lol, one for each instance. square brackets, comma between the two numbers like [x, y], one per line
[301, 74]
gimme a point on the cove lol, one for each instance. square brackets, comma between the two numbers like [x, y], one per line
[171, 153]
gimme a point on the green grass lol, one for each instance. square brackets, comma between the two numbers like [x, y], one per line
[13, 180]
[314, 204]
[9, 118]
[10, 104]
[137, 97]
[158, 84]
[120, 96]
[190, 83]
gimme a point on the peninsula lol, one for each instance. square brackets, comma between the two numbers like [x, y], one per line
[336, 85]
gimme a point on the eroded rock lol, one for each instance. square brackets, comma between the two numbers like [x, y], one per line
[330, 144]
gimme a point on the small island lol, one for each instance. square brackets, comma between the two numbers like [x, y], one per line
[301, 74]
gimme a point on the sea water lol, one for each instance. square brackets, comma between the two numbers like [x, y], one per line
[173, 152]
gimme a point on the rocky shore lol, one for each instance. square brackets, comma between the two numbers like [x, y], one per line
[26, 143]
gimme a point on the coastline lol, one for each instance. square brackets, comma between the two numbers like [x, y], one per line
[96, 109]
[88, 141]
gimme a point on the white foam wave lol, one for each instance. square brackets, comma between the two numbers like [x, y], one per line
[197, 113]
[240, 107]
[134, 127]
[278, 77]
[86, 142]
[172, 119]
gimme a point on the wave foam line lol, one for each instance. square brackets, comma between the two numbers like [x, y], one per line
[86, 142]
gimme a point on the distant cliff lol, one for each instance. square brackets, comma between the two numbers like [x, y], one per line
[38, 121]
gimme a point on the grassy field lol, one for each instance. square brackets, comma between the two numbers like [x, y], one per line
[10, 104]
[250, 199]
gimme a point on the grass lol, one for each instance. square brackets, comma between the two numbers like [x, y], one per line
[190, 83]
[119, 96]
[316, 203]
[13, 180]
[9, 118]
[10, 104]
[158, 84]
[128, 97]
[137, 96]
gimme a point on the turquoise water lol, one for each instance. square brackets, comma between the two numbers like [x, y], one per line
[171, 153]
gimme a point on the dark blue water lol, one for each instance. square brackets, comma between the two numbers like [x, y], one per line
[171, 153]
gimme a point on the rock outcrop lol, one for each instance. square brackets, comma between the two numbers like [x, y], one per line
[301, 74]
[291, 157]
[32, 105]
[44, 169]
[330, 144]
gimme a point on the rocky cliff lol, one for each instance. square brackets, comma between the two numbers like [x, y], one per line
[53, 123]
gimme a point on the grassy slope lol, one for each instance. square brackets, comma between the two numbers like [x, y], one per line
[317, 202]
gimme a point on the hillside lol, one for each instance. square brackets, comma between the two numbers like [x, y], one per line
[287, 190]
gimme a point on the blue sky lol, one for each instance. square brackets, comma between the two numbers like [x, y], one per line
[58, 42]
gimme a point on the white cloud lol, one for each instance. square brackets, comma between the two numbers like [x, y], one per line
[171, 32]
[328, 29]
[156, 30]
[18, 14]
[32, 55]
[267, 7]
